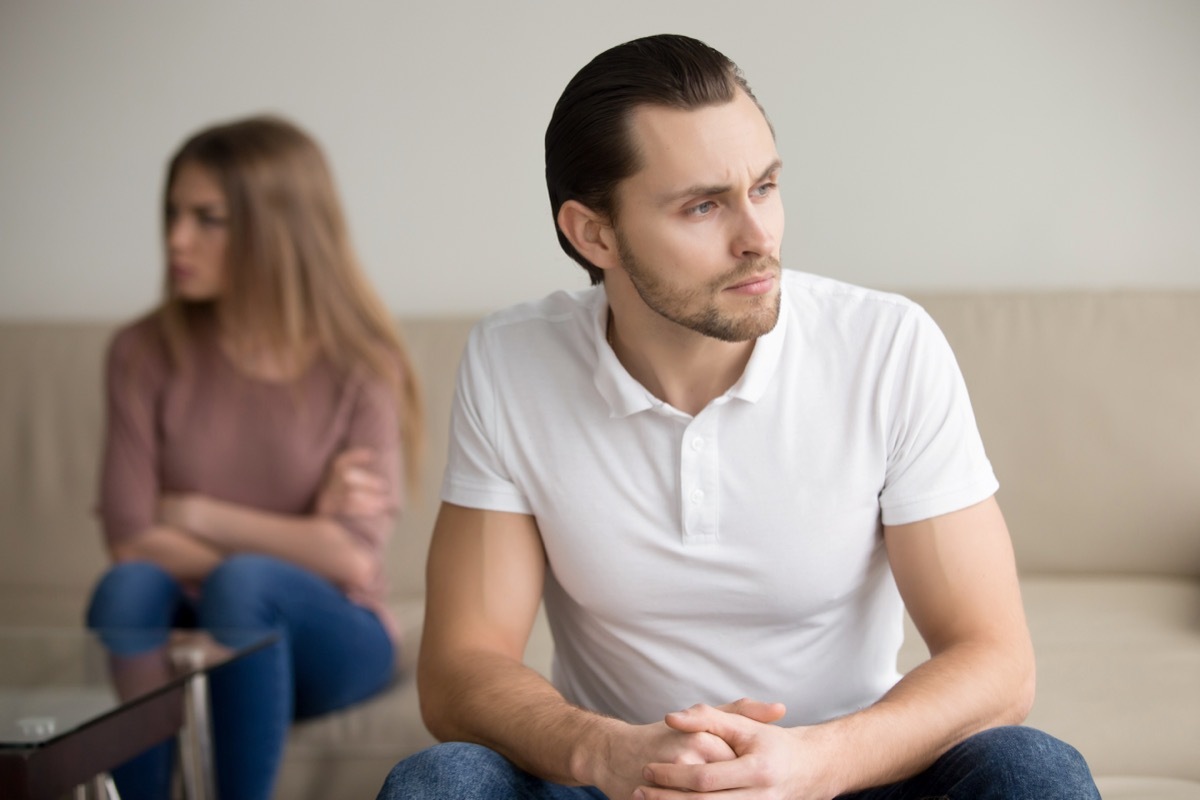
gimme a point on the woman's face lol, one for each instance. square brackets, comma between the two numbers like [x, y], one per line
[197, 234]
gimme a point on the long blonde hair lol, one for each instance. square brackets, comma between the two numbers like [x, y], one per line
[292, 277]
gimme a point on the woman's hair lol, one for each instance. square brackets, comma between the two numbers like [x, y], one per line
[291, 275]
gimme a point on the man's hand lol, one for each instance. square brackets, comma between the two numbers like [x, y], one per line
[769, 761]
[624, 762]
[663, 743]
[353, 487]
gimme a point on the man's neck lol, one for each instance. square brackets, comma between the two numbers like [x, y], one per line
[685, 369]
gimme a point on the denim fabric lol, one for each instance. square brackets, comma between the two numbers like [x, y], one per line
[331, 653]
[1013, 763]
[471, 772]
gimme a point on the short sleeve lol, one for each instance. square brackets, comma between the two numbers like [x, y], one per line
[476, 476]
[135, 375]
[936, 460]
[374, 424]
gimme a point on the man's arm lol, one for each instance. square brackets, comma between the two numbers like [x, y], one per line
[957, 575]
[483, 587]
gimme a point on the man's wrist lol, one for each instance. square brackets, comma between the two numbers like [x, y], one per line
[832, 748]
[590, 753]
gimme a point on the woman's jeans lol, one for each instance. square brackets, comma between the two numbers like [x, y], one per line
[331, 653]
[999, 764]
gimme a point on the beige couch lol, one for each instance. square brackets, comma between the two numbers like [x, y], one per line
[1089, 405]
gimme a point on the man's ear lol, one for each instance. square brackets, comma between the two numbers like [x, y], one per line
[590, 233]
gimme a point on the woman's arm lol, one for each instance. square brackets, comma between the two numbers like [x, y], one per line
[181, 554]
[316, 542]
[352, 515]
[136, 377]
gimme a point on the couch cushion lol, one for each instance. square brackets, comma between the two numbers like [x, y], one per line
[1141, 788]
[1087, 406]
[1118, 669]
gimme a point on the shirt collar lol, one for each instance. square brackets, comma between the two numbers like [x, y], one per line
[625, 396]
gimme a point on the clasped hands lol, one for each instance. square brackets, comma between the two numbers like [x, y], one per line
[733, 750]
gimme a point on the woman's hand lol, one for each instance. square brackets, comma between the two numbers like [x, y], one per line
[182, 512]
[353, 487]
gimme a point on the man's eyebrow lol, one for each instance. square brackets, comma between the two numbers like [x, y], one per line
[699, 190]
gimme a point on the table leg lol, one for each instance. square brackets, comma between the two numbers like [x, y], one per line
[195, 740]
[105, 788]
[102, 788]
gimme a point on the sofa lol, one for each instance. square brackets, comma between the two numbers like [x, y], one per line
[1089, 405]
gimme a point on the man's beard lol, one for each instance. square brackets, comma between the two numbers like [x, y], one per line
[696, 308]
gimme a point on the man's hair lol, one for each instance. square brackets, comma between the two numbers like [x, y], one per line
[589, 149]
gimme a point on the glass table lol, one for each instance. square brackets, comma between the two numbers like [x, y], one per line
[76, 703]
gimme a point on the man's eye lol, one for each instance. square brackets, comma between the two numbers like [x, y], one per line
[700, 209]
[762, 190]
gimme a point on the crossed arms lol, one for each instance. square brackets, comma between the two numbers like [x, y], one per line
[193, 533]
[957, 577]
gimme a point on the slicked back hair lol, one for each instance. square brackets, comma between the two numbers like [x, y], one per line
[589, 147]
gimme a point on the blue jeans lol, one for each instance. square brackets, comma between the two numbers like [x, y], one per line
[331, 653]
[1014, 763]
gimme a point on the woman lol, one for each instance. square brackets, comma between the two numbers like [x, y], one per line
[258, 424]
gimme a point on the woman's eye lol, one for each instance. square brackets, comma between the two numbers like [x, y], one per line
[211, 221]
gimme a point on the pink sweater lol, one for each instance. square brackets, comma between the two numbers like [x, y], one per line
[215, 431]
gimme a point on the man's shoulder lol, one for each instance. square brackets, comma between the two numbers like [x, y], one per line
[804, 288]
[823, 305]
[567, 311]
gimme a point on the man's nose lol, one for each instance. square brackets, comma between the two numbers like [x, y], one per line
[753, 236]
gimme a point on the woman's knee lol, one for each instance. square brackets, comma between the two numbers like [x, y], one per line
[241, 592]
[452, 769]
[136, 594]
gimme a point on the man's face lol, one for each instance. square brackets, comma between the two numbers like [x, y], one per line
[699, 227]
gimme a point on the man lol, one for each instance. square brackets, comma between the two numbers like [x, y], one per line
[726, 480]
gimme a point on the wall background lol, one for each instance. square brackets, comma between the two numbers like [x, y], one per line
[939, 144]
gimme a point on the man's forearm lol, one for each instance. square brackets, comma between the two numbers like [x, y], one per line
[962, 691]
[490, 699]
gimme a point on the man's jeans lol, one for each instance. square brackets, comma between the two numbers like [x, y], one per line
[1013, 763]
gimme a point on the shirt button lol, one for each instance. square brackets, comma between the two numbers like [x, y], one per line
[697, 496]
[698, 444]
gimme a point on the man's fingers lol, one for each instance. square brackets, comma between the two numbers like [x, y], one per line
[733, 728]
[714, 777]
[756, 710]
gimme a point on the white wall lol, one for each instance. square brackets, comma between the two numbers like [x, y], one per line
[940, 143]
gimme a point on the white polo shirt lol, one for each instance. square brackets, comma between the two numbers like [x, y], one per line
[738, 552]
